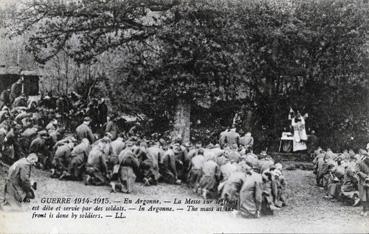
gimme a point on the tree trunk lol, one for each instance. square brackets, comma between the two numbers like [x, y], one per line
[182, 120]
[248, 124]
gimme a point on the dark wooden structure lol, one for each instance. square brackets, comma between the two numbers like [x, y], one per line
[10, 75]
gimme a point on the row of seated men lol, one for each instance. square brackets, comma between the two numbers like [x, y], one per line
[344, 176]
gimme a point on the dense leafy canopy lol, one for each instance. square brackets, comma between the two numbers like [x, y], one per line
[84, 29]
[257, 57]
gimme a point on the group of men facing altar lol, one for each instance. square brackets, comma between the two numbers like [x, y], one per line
[227, 170]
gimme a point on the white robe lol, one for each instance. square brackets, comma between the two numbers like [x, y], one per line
[299, 135]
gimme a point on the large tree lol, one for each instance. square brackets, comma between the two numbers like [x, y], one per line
[177, 56]
[193, 60]
[182, 54]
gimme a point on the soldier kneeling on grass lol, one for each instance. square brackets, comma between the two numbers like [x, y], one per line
[19, 188]
[96, 167]
[127, 168]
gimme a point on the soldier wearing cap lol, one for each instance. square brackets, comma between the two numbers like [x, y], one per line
[84, 131]
[18, 187]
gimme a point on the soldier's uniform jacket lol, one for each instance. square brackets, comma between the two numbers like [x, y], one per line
[233, 138]
[210, 168]
[118, 145]
[11, 137]
[230, 187]
[97, 160]
[362, 170]
[18, 182]
[197, 162]
[251, 194]
[154, 153]
[233, 155]
[81, 149]
[63, 153]
[107, 149]
[15, 90]
[222, 138]
[228, 169]
[38, 145]
[168, 161]
[128, 159]
[247, 141]
[84, 131]
[29, 132]
[112, 128]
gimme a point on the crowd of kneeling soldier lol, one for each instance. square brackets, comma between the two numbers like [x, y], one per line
[230, 171]
[344, 176]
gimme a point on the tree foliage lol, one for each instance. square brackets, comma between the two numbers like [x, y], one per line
[263, 56]
[87, 28]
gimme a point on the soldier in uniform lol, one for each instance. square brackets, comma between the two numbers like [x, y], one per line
[233, 137]
[18, 187]
[362, 169]
[96, 166]
[11, 146]
[84, 131]
[15, 90]
[150, 165]
[112, 127]
[167, 167]
[195, 169]
[5, 98]
[247, 141]
[40, 147]
[78, 159]
[102, 112]
[128, 165]
[61, 159]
